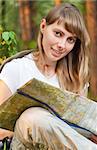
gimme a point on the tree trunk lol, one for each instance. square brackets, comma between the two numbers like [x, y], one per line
[57, 2]
[91, 17]
[25, 20]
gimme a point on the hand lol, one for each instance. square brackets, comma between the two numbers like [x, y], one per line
[5, 133]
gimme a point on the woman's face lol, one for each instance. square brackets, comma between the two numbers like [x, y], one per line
[57, 41]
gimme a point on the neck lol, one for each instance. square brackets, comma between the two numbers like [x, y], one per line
[47, 67]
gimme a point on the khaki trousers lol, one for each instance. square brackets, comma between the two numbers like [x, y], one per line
[38, 129]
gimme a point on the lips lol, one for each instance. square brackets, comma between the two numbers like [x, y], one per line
[56, 53]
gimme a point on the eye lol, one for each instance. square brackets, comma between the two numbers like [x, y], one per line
[71, 40]
[58, 34]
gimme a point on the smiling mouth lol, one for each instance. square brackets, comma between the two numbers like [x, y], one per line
[57, 51]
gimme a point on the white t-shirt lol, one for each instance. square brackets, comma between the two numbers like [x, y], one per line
[19, 71]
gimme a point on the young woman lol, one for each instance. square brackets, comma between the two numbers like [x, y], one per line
[61, 59]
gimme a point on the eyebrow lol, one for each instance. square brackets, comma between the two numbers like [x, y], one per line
[74, 36]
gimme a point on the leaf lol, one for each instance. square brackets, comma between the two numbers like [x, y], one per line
[9, 48]
[5, 36]
[3, 42]
[1, 29]
[0, 46]
[12, 35]
[9, 42]
[15, 42]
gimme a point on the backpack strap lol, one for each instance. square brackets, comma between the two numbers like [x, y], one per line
[18, 55]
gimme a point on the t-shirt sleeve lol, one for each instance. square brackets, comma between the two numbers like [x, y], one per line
[9, 75]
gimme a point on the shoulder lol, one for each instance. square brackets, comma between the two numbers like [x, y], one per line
[18, 67]
[16, 72]
[16, 56]
[19, 61]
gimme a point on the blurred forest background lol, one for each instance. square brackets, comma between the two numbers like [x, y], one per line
[19, 24]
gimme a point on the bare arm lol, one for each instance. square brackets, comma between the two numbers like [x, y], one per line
[5, 133]
[5, 92]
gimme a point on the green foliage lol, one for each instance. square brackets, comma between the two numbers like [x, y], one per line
[8, 43]
[42, 7]
[9, 26]
[32, 44]
[9, 17]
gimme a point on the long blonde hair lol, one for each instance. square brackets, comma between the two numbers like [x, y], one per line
[72, 70]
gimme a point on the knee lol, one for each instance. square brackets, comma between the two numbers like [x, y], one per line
[32, 117]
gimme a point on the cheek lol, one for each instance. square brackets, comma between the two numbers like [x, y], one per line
[70, 47]
[49, 37]
[47, 40]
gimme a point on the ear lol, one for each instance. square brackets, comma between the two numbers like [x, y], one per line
[42, 25]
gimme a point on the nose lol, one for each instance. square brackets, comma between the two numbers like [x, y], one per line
[61, 44]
